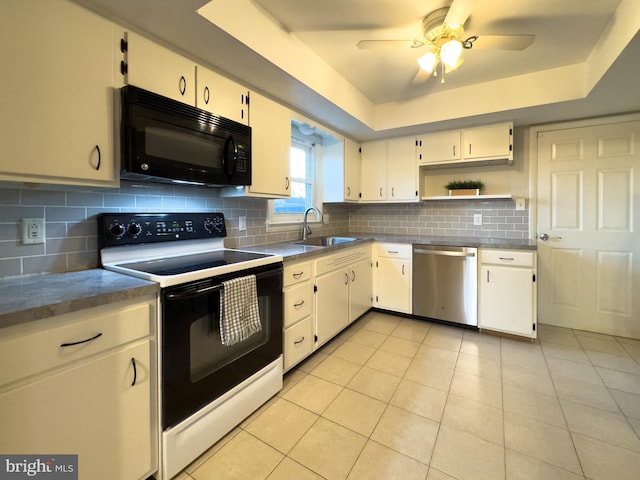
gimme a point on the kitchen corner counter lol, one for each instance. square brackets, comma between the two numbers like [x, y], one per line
[25, 299]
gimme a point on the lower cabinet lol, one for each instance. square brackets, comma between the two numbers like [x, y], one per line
[392, 277]
[322, 297]
[507, 291]
[98, 401]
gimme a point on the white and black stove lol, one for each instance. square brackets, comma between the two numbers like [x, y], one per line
[171, 248]
[208, 385]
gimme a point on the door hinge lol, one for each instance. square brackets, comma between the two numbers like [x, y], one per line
[376, 298]
[534, 327]
[315, 288]
[534, 277]
[315, 338]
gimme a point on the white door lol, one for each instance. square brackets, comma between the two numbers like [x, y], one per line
[589, 207]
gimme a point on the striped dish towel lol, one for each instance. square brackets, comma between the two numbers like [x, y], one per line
[239, 313]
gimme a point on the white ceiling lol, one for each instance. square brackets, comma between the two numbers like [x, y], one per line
[584, 62]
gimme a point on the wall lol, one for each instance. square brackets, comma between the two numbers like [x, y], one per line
[71, 228]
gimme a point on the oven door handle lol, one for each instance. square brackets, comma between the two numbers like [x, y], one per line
[200, 291]
[213, 288]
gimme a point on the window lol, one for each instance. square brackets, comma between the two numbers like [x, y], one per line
[303, 185]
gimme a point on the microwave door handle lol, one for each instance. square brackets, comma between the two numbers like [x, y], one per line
[228, 164]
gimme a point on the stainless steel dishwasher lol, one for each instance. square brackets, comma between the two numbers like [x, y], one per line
[445, 283]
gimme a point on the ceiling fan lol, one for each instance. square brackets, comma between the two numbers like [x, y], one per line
[443, 37]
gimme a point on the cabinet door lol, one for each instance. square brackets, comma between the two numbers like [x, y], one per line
[373, 171]
[393, 284]
[221, 96]
[402, 169]
[56, 94]
[439, 147]
[359, 289]
[351, 171]
[332, 304]
[298, 342]
[506, 299]
[92, 410]
[159, 70]
[493, 141]
[270, 145]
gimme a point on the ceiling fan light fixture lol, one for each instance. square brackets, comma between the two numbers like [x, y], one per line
[428, 62]
[450, 52]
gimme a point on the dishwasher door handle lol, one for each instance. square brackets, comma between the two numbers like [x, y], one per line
[444, 252]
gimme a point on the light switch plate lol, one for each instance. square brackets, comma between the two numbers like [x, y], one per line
[32, 231]
[242, 223]
[477, 219]
[520, 203]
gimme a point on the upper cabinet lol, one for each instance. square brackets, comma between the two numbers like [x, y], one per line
[221, 96]
[59, 61]
[341, 171]
[389, 172]
[152, 67]
[470, 146]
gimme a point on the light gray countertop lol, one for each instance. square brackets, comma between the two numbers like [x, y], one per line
[25, 299]
[292, 251]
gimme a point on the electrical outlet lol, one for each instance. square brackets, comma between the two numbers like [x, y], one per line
[242, 223]
[32, 231]
[520, 204]
[477, 219]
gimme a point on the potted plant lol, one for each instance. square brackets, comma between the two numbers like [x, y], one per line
[464, 187]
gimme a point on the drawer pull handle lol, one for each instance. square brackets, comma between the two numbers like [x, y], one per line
[510, 259]
[298, 275]
[135, 371]
[71, 344]
[299, 304]
[392, 252]
[299, 341]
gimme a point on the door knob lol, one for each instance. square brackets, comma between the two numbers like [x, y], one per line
[544, 237]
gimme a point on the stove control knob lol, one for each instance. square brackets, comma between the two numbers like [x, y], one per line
[117, 230]
[208, 225]
[134, 229]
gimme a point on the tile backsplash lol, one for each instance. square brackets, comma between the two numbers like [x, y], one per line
[71, 229]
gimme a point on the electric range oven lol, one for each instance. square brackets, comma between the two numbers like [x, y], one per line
[208, 384]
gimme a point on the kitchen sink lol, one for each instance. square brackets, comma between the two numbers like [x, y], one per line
[326, 241]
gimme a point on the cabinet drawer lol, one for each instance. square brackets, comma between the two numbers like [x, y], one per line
[346, 257]
[296, 273]
[298, 342]
[393, 250]
[297, 303]
[52, 347]
[515, 258]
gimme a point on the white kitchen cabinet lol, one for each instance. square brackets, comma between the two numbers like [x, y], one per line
[343, 290]
[341, 171]
[373, 171]
[392, 276]
[488, 143]
[332, 304]
[157, 69]
[389, 172]
[507, 291]
[298, 312]
[221, 96]
[439, 147]
[360, 278]
[270, 145]
[95, 398]
[58, 63]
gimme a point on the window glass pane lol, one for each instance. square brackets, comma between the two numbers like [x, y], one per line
[299, 158]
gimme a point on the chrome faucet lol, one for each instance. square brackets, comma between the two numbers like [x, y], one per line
[306, 229]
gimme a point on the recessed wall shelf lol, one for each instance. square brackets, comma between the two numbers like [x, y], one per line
[469, 197]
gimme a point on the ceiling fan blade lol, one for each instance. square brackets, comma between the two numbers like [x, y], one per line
[502, 42]
[372, 44]
[459, 12]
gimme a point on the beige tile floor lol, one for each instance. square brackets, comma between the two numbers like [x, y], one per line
[397, 398]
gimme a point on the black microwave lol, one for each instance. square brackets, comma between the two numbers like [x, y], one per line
[163, 140]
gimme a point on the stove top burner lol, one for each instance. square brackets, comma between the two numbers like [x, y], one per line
[193, 262]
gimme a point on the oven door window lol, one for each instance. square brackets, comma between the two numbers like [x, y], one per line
[206, 351]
